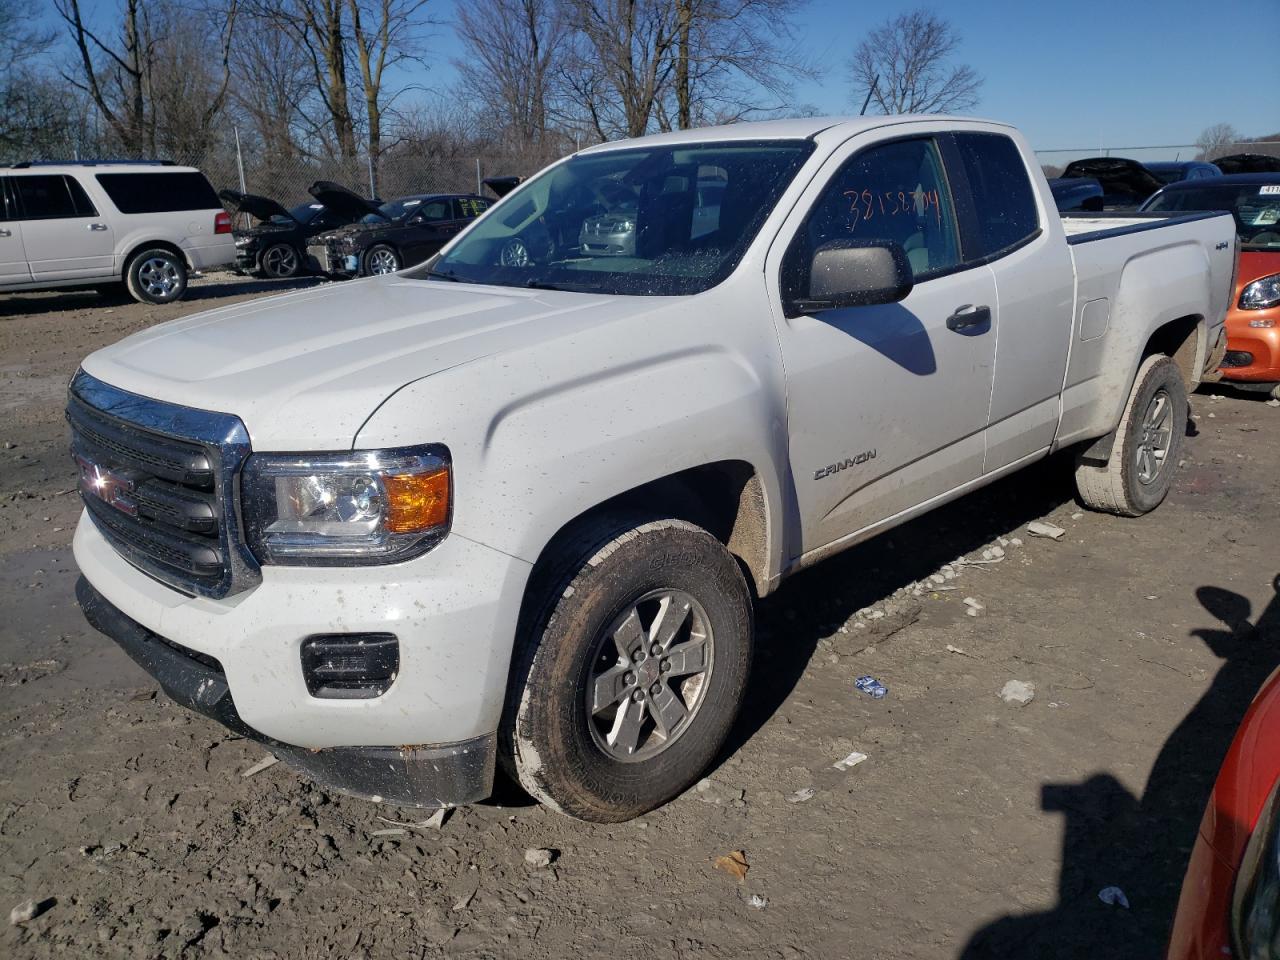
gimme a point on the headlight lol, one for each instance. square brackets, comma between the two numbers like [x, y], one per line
[1255, 906]
[1262, 293]
[243, 241]
[367, 506]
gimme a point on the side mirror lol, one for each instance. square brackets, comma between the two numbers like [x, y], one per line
[856, 273]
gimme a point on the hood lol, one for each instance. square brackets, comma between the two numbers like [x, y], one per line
[345, 203]
[501, 186]
[1248, 163]
[262, 208]
[356, 229]
[305, 370]
[1117, 175]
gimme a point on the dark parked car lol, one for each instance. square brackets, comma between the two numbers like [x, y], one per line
[1175, 171]
[1248, 163]
[398, 234]
[276, 245]
[1077, 193]
[1125, 183]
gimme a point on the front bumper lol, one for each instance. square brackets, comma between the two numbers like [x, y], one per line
[1262, 344]
[425, 775]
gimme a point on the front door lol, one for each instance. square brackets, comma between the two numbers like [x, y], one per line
[64, 237]
[429, 230]
[887, 404]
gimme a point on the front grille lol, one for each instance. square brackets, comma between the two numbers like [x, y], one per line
[157, 481]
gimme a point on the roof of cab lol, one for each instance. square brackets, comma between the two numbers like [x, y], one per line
[94, 167]
[800, 128]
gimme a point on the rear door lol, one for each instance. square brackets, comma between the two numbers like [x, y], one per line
[64, 236]
[1005, 225]
[13, 258]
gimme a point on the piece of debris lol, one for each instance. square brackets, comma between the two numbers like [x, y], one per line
[433, 822]
[1020, 692]
[393, 832]
[972, 606]
[1016, 542]
[757, 901]
[1113, 897]
[263, 764]
[735, 864]
[144, 696]
[802, 795]
[954, 649]
[851, 761]
[464, 900]
[1273, 403]
[718, 794]
[27, 910]
[871, 687]
[539, 857]
[1038, 528]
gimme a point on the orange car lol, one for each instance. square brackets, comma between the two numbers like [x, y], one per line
[1252, 361]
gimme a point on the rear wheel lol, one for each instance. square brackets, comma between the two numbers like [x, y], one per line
[633, 660]
[280, 261]
[1146, 446]
[156, 276]
[381, 259]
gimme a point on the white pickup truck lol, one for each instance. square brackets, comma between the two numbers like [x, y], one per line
[514, 505]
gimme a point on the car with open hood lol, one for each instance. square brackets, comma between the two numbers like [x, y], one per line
[1252, 360]
[1248, 163]
[1125, 183]
[276, 245]
[398, 234]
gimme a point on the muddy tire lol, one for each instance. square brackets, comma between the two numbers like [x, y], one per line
[1147, 444]
[631, 663]
[156, 276]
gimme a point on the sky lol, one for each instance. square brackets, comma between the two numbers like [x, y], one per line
[1072, 74]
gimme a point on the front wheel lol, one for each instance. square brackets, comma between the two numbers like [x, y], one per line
[1146, 445]
[280, 261]
[633, 660]
[381, 259]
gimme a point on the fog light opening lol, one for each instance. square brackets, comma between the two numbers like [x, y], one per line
[350, 666]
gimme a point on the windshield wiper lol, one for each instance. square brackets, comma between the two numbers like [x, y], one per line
[542, 285]
[452, 277]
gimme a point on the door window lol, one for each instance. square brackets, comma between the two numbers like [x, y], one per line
[435, 210]
[896, 191]
[470, 207]
[51, 197]
[1004, 204]
[157, 192]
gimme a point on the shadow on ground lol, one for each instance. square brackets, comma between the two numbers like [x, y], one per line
[1110, 837]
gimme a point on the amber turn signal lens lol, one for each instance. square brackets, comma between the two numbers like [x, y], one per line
[416, 502]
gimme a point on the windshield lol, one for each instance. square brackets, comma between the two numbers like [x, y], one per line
[647, 221]
[395, 210]
[1256, 208]
[301, 213]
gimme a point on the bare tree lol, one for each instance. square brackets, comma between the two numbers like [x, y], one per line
[272, 80]
[385, 33]
[28, 106]
[514, 51]
[1216, 140]
[620, 63]
[906, 64]
[129, 78]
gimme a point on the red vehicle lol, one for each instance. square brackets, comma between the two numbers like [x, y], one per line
[1230, 903]
[1252, 360]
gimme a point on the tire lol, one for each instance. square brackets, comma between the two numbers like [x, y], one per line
[157, 275]
[280, 261]
[381, 259]
[617, 585]
[1146, 447]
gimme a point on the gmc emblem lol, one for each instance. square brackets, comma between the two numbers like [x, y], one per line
[113, 489]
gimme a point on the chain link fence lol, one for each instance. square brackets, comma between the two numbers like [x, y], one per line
[1055, 161]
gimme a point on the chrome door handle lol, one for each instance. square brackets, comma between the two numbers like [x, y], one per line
[5, 233]
[97, 226]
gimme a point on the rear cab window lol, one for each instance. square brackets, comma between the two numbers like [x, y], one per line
[156, 192]
[998, 204]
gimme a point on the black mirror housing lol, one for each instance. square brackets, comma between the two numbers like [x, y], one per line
[856, 273]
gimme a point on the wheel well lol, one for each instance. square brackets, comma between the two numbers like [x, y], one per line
[1179, 339]
[725, 498]
[152, 245]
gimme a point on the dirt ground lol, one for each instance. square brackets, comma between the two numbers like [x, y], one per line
[975, 828]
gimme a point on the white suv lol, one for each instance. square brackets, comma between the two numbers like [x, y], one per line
[100, 224]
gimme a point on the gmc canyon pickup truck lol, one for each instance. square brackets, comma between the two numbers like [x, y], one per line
[513, 506]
